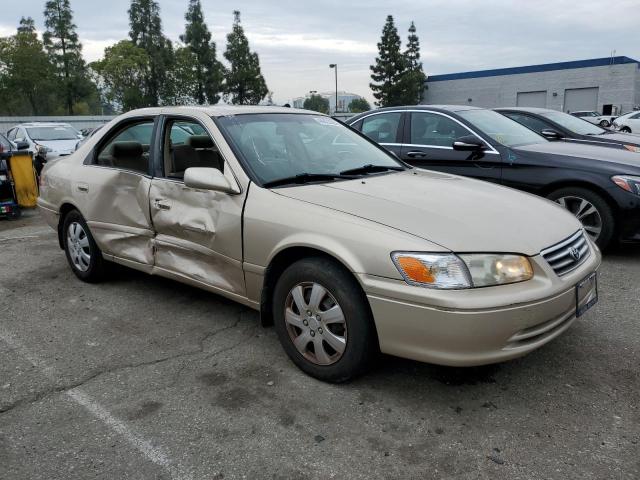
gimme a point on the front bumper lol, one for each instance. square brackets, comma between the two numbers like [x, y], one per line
[476, 326]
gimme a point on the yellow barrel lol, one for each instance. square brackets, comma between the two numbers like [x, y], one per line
[24, 178]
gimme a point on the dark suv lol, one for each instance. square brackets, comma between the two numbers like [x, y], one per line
[600, 186]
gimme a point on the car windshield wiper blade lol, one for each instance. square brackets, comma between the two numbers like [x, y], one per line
[370, 168]
[302, 178]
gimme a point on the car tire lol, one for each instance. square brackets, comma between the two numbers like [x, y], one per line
[83, 254]
[604, 124]
[15, 214]
[625, 130]
[314, 353]
[579, 201]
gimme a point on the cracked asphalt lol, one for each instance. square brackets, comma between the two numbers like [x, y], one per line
[144, 378]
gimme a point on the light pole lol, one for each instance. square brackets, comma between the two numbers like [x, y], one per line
[335, 66]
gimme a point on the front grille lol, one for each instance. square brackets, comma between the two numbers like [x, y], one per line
[567, 255]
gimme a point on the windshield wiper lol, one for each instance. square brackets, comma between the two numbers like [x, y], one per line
[370, 168]
[302, 178]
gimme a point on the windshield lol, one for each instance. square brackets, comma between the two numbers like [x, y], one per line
[502, 129]
[574, 124]
[52, 133]
[281, 145]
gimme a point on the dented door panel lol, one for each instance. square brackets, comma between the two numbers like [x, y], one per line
[198, 234]
[118, 212]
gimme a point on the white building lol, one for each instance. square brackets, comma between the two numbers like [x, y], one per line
[344, 99]
[608, 85]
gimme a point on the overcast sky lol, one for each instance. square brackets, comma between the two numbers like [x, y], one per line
[296, 40]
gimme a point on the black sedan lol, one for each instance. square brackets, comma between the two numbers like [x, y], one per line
[561, 126]
[600, 186]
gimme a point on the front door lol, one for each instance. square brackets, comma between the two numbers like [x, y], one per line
[428, 143]
[384, 128]
[198, 232]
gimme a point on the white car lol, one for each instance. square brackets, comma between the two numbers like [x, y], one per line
[628, 123]
[56, 139]
[595, 118]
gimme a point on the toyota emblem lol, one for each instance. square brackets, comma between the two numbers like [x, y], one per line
[575, 253]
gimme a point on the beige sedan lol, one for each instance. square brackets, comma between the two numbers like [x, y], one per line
[345, 249]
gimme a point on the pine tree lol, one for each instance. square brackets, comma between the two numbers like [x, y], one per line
[208, 70]
[389, 69]
[245, 84]
[64, 48]
[414, 77]
[146, 33]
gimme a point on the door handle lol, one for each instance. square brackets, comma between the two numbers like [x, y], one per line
[416, 154]
[83, 187]
[161, 205]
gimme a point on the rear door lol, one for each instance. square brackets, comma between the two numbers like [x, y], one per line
[198, 233]
[384, 128]
[428, 143]
[112, 192]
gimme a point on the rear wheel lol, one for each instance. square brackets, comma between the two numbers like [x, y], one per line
[323, 320]
[591, 209]
[83, 254]
[604, 123]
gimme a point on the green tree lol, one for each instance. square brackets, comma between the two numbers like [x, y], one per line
[122, 75]
[413, 78]
[359, 105]
[245, 84]
[64, 48]
[209, 72]
[184, 77]
[146, 33]
[389, 68]
[26, 74]
[316, 103]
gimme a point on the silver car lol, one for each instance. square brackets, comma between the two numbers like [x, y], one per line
[346, 250]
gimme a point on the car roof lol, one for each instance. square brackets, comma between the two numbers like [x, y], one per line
[527, 109]
[218, 110]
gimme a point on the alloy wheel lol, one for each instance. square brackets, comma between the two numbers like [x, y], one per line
[78, 246]
[584, 211]
[315, 323]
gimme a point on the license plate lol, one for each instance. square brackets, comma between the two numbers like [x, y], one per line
[586, 294]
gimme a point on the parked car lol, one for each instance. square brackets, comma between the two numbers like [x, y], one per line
[556, 125]
[344, 248]
[55, 139]
[595, 118]
[628, 123]
[600, 186]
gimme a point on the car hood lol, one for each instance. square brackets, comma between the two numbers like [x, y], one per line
[583, 151]
[59, 146]
[457, 213]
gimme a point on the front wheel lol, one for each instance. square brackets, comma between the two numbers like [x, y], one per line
[604, 123]
[83, 254]
[591, 209]
[323, 320]
[625, 130]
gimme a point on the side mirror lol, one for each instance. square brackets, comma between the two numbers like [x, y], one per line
[468, 143]
[203, 178]
[551, 134]
[22, 145]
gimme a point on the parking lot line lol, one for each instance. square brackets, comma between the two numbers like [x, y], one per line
[153, 453]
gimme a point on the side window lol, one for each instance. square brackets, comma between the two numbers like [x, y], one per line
[129, 148]
[4, 143]
[635, 117]
[187, 144]
[435, 130]
[382, 128]
[12, 134]
[530, 122]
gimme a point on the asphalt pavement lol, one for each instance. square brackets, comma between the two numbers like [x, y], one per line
[145, 378]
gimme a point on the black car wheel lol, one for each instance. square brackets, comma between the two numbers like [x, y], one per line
[591, 209]
[625, 130]
[83, 254]
[323, 320]
[604, 123]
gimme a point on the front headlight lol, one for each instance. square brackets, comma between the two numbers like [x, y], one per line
[628, 183]
[449, 271]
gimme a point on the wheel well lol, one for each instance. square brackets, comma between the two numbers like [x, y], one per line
[586, 185]
[64, 210]
[278, 265]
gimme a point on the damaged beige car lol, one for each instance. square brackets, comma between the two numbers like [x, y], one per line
[345, 249]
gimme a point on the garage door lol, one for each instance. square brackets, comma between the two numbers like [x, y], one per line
[580, 99]
[532, 99]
